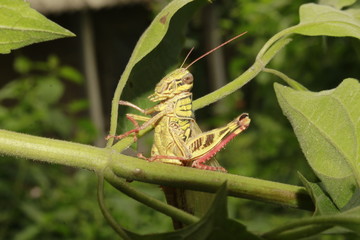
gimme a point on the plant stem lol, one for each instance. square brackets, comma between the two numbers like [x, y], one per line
[158, 205]
[299, 233]
[267, 52]
[244, 78]
[272, 41]
[53, 151]
[292, 83]
[209, 181]
[100, 196]
[324, 222]
[96, 159]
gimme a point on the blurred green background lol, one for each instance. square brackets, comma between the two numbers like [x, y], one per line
[43, 92]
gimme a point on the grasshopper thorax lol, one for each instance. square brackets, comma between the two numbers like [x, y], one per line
[177, 82]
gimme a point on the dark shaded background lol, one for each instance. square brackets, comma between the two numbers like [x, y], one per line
[41, 201]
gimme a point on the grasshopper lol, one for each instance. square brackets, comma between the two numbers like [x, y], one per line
[174, 138]
[177, 138]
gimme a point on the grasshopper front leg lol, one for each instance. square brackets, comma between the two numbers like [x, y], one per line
[134, 118]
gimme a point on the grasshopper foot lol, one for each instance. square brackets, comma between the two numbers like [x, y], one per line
[135, 130]
[206, 167]
[140, 155]
[164, 159]
[121, 136]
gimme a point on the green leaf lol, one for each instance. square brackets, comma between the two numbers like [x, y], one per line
[317, 20]
[22, 26]
[155, 52]
[215, 225]
[320, 20]
[354, 201]
[337, 3]
[328, 128]
[48, 90]
[323, 204]
[76, 106]
[159, 47]
[10, 90]
[71, 74]
[355, 12]
[312, 225]
[350, 219]
[22, 65]
[59, 122]
[30, 232]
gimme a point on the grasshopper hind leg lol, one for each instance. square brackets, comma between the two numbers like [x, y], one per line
[200, 165]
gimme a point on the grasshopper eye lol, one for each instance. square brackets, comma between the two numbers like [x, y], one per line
[188, 78]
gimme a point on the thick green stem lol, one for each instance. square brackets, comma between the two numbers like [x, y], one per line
[96, 159]
[209, 181]
[53, 151]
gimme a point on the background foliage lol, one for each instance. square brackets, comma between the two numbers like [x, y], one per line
[41, 199]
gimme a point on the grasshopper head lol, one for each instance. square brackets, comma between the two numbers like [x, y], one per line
[176, 82]
[244, 119]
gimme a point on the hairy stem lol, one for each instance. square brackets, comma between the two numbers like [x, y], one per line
[96, 159]
[209, 181]
[53, 151]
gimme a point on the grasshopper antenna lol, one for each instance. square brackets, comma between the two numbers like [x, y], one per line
[214, 49]
[187, 57]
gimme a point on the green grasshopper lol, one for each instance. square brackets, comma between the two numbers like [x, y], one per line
[177, 138]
